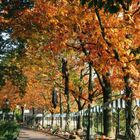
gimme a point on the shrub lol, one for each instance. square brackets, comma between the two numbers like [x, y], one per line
[9, 130]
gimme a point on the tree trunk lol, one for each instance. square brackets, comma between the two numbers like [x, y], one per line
[79, 103]
[68, 113]
[118, 122]
[89, 123]
[22, 114]
[90, 87]
[79, 118]
[43, 118]
[79, 122]
[33, 109]
[132, 128]
[52, 119]
[13, 115]
[135, 125]
[61, 111]
[107, 118]
[65, 73]
[107, 113]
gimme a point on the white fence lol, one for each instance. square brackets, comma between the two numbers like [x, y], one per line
[96, 113]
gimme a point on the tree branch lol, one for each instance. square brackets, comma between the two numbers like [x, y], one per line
[99, 78]
[83, 104]
[136, 11]
[102, 27]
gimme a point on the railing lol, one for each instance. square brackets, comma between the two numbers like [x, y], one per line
[118, 111]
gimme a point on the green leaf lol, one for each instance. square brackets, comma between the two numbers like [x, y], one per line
[100, 4]
[95, 2]
[113, 9]
[83, 2]
[129, 1]
[110, 2]
[90, 4]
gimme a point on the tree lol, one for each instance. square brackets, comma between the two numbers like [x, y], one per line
[10, 51]
[113, 7]
[64, 25]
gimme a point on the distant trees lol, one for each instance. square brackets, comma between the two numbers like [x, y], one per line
[10, 51]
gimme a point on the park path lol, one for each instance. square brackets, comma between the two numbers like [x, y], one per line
[26, 134]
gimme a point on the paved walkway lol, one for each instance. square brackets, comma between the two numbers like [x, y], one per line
[34, 135]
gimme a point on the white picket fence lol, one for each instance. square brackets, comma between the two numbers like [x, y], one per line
[119, 103]
[114, 105]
